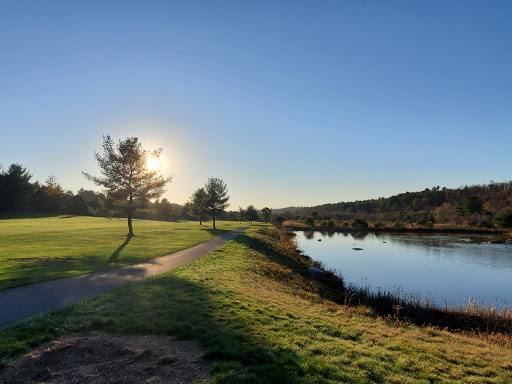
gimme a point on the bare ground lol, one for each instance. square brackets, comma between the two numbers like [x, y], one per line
[101, 358]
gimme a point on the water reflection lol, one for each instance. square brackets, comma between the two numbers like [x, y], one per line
[449, 268]
[360, 235]
[309, 235]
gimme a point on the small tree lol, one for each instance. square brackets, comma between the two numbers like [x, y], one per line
[127, 178]
[198, 204]
[251, 214]
[241, 214]
[266, 214]
[217, 197]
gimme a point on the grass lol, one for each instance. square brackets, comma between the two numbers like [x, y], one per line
[262, 319]
[34, 250]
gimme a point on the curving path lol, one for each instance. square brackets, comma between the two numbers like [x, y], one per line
[19, 303]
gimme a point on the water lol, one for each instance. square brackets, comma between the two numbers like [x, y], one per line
[447, 269]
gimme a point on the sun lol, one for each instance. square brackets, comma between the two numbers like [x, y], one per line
[153, 163]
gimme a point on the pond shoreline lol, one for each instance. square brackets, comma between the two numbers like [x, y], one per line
[399, 305]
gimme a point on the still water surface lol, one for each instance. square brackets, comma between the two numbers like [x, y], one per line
[448, 269]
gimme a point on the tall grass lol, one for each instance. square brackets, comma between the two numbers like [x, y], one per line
[472, 318]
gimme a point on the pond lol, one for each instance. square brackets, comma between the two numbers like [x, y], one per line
[447, 270]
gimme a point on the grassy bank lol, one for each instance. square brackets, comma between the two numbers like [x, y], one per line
[33, 250]
[262, 319]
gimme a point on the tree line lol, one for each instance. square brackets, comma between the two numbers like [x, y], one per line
[487, 205]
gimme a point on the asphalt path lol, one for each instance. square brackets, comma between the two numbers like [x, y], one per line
[20, 303]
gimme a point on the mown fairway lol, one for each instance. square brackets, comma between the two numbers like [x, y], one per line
[41, 249]
[261, 319]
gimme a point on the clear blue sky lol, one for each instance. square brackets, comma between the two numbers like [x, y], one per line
[289, 102]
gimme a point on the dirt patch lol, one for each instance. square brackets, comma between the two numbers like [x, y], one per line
[44, 259]
[101, 358]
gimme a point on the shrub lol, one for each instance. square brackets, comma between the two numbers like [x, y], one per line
[279, 220]
[330, 223]
[379, 224]
[398, 224]
[309, 221]
[425, 223]
[359, 223]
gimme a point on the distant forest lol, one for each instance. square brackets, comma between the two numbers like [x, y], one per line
[19, 196]
[488, 205]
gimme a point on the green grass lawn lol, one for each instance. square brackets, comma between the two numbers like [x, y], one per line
[65, 246]
[262, 319]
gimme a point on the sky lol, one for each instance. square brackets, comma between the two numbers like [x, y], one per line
[290, 103]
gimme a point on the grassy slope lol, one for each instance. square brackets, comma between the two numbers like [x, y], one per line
[92, 244]
[262, 320]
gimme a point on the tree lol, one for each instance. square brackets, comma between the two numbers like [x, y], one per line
[129, 182]
[197, 206]
[217, 197]
[469, 204]
[503, 219]
[241, 214]
[251, 214]
[52, 198]
[266, 214]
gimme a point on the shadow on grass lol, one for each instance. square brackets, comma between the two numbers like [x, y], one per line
[216, 232]
[9, 216]
[115, 255]
[169, 305]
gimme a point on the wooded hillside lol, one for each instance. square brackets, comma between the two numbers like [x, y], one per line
[477, 205]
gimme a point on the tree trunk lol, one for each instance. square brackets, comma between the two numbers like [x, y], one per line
[130, 227]
[213, 218]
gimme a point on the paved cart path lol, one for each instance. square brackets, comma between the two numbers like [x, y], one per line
[19, 303]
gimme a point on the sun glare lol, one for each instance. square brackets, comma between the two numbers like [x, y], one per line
[153, 163]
